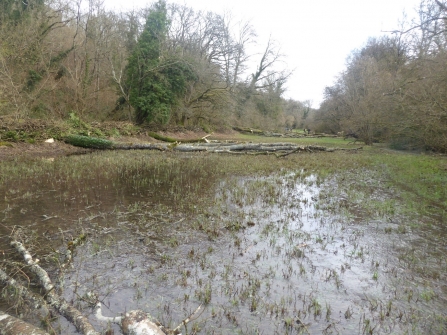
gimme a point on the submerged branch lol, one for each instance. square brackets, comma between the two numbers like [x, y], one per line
[195, 315]
[134, 322]
[68, 311]
[33, 300]
[100, 317]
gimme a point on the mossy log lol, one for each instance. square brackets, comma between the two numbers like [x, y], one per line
[142, 146]
[174, 140]
[161, 137]
[88, 142]
[249, 130]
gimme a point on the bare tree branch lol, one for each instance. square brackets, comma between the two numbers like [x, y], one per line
[72, 314]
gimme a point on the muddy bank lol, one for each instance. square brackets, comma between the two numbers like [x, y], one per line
[38, 150]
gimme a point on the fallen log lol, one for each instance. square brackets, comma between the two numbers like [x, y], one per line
[132, 323]
[142, 146]
[88, 142]
[64, 308]
[190, 148]
[140, 323]
[10, 325]
[34, 301]
[255, 148]
[248, 130]
[281, 149]
[174, 140]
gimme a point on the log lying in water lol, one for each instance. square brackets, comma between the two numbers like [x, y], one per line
[139, 323]
[68, 311]
[132, 323]
[248, 130]
[10, 325]
[34, 301]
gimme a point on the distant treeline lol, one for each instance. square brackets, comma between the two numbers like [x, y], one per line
[395, 88]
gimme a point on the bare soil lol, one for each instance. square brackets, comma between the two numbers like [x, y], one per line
[38, 150]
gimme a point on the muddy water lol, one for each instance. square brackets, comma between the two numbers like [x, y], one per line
[283, 254]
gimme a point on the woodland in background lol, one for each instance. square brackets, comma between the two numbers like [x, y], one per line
[170, 64]
[395, 88]
[164, 64]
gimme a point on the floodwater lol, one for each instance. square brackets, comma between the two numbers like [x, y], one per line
[287, 253]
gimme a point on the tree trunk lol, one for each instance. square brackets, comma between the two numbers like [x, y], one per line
[223, 147]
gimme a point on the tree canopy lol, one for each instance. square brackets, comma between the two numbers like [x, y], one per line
[166, 63]
[393, 89]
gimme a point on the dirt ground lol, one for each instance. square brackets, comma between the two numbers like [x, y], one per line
[43, 150]
[16, 150]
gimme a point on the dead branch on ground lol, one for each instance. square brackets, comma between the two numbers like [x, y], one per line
[10, 325]
[279, 149]
[134, 322]
[63, 307]
[140, 323]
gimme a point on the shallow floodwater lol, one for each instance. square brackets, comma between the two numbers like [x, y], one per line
[287, 253]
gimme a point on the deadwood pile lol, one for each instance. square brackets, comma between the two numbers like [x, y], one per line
[202, 145]
[278, 149]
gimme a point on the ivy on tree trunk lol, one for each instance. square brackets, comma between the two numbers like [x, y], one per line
[155, 79]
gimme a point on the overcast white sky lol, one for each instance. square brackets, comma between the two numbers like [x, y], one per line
[315, 35]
